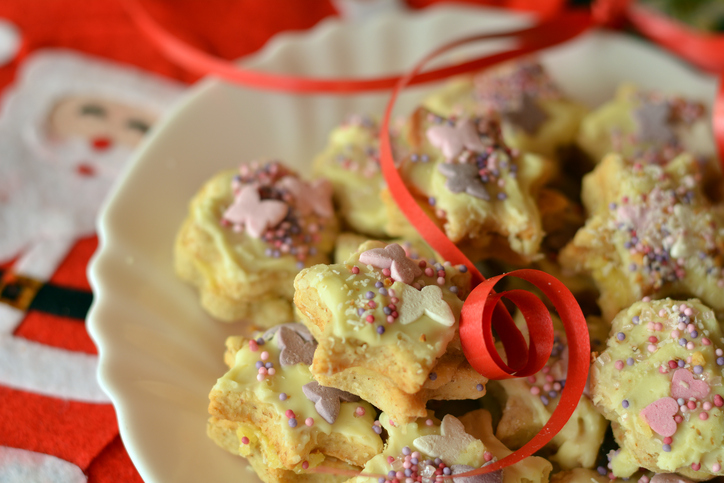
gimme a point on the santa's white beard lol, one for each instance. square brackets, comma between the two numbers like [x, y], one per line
[45, 196]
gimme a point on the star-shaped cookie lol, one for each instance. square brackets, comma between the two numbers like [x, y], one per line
[484, 197]
[652, 232]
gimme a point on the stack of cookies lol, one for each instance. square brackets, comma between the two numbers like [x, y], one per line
[350, 359]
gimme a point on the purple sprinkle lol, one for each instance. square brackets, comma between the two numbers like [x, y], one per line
[437, 461]
[283, 396]
[502, 196]
[635, 319]
[414, 461]
[391, 474]
[406, 450]
[479, 387]
[666, 448]
[454, 289]
[268, 252]
[601, 470]
[383, 291]
[360, 311]
[553, 394]
[630, 361]
[720, 361]
[694, 334]
[259, 364]
[377, 429]
[370, 294]
[378, 284]
[414, 158]
[681, 363]
[381, 479]
[698, 369]
[544, 400]
[446, 470]
[300, 265]
[462, 268]
[681, 401]
[431, 201]
[386, 310]
[682, 342]
[624, 403]
[620, 336]
[269, 365]
[260, 341]
[408, 472]
[612, 206]
[380, 330]
[432, 376]
[292, 422]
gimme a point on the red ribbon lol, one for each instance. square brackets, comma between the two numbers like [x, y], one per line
[483, 309]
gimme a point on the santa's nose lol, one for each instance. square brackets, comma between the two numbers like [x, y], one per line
[101, 143]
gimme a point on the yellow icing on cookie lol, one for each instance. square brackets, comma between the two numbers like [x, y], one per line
[650, 360]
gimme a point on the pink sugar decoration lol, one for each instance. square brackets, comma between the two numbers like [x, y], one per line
[718, 401]
[716, 467]
[683, 385]
[705, 341]
[703, 416]
[309, 422]
[429, 422]
[618, 365]
[535, 390]
[253, 346]
[289, 413]
[660, 415]
[244, 440]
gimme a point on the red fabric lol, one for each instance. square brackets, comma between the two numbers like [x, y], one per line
[113, 465]
[72, 272]
[56, 331]
[73, 431]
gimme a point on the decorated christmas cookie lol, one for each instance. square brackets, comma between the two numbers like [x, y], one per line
[387, 329]
[535, 115]
[351, 163]
[269, 407]
[529, 403]
[648, 126]
[659, 382]
[651, 233]
[248, 234]
[427, 448]
[482, 192]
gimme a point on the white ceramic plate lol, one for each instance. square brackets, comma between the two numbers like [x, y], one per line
[159, 352]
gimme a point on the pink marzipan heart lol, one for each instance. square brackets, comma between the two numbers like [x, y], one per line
[684, 385]
[660, 415]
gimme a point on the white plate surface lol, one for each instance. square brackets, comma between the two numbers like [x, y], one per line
[160, 354]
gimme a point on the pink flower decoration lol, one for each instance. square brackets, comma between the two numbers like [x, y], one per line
[452, 140]
[402, 269]
[254, 214]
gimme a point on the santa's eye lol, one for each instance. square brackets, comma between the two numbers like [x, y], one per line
[93, 110]
[138, 125]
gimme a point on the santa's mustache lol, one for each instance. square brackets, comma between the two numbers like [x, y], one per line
[84, 156]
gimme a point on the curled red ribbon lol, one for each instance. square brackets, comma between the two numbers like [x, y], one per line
[483, 309]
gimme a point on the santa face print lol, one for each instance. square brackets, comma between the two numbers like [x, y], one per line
[102, 122]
